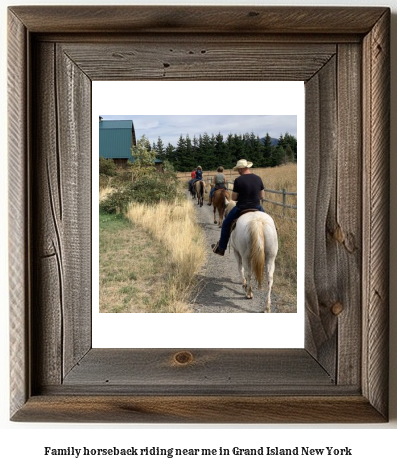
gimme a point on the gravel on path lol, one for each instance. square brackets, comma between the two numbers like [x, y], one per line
[220, 286]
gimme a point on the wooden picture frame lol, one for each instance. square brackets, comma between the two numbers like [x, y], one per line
[342, 54]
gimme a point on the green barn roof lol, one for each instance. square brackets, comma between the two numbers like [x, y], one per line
[116, 138]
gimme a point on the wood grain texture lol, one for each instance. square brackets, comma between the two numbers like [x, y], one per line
[229, 369]
[321, 278]
[376, 91]
[199, 409]
[341, 375]
[47, 230]
[18, 213]
[346, 226]
[62, 206]
[73, 89]
[225, 58]
[197, 19]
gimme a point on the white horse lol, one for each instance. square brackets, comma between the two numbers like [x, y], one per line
[255, 245]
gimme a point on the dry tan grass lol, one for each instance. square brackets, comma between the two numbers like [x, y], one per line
[278, 178]
[174, 225]
[103, 192]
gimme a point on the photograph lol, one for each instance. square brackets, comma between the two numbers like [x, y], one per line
[155, 253]
[166, 187]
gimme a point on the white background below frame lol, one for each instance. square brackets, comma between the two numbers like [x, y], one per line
[198, 330]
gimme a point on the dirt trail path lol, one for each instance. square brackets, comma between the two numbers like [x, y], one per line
[220, 288]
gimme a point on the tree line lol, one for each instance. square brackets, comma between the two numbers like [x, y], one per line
[212, 151]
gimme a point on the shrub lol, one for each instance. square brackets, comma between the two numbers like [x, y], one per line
[122, 177]
[104, 181]
[107, 167]
[149, 189]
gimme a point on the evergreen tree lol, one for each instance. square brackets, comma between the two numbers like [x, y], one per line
[195, 151]
[207, 151]
[180, 153]
[170, 155]
[289, 154]
[281, 141]
[267, 152]
[278, 156]
[160, 149]
[291, 141]
[238, 147]
[254, 149]
[189, 153]
[221, 154]
[184, 154]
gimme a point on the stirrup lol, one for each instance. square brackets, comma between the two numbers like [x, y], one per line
[216, 249]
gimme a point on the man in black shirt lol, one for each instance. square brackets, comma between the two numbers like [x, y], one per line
[248, 192]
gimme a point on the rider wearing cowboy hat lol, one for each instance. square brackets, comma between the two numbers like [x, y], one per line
[248, 192]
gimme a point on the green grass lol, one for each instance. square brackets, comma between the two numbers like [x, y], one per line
[133, 273]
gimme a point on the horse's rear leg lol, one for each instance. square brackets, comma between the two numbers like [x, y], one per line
[248, 290]
[215, 221]
[270, 265]
[240, 268]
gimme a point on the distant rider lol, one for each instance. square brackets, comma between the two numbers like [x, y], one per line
[220, 182]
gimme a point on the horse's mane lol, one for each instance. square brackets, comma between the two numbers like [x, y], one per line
[229, 205]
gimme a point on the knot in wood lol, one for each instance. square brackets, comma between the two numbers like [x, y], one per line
[337, 308]
[338, 235]
[183, 358]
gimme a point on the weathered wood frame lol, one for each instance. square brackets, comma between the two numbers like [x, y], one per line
[342, 54]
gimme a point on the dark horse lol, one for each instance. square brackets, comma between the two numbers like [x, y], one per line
[219, 202]
[199, 187]
[192, 190]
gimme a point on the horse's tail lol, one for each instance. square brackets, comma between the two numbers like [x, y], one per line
[202, 188]
[257, 255]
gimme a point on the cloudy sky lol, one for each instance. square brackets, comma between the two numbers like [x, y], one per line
[170, 127]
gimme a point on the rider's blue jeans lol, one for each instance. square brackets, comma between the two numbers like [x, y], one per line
[227, 223]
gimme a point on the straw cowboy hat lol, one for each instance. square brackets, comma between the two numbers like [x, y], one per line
[242, 164]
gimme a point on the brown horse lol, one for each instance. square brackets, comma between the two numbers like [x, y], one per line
[219, 202]
[199, 188]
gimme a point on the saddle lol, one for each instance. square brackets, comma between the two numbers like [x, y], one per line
[244, 211]
[220, 187]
